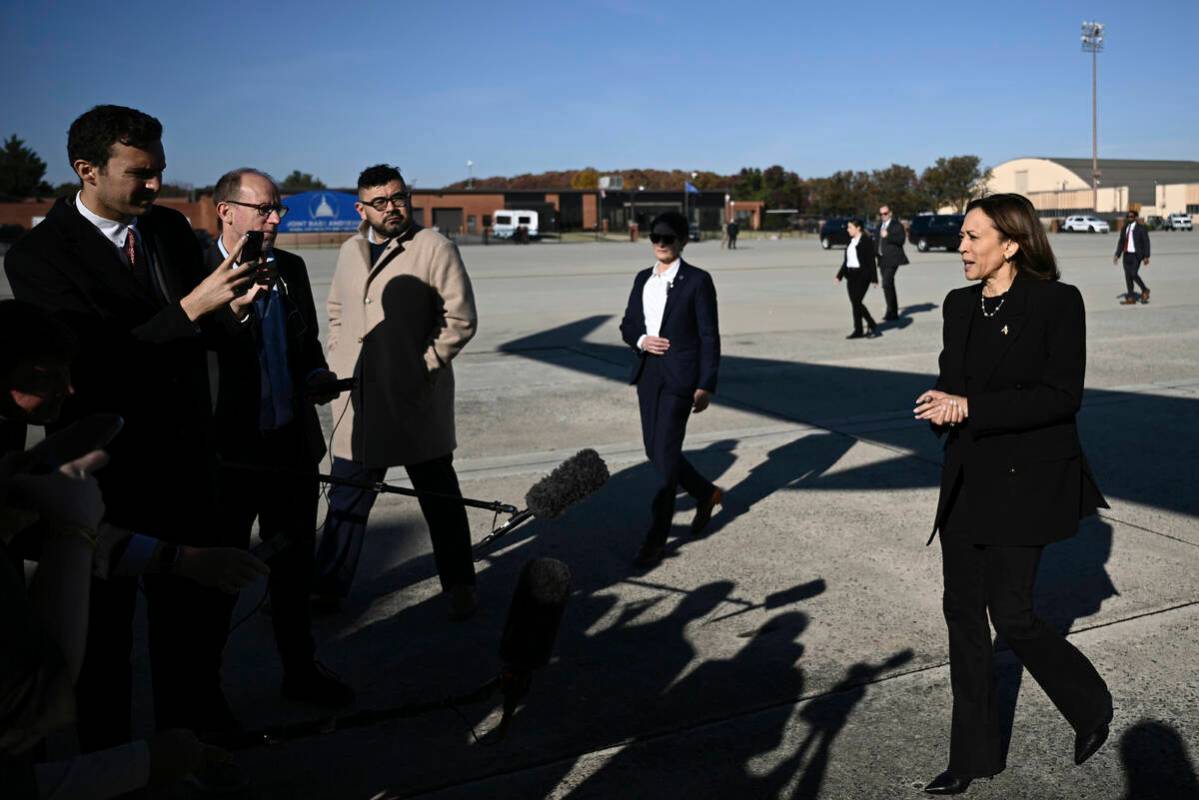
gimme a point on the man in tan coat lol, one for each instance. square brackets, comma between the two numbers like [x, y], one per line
[400, 308]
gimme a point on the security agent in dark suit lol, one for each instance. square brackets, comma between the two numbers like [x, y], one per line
[128, 278]
[890, 258]
[858, 269]
[671, 324]
[1133, 246]
[265, 418]
[1014, 478]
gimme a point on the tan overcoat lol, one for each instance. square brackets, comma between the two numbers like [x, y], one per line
[396, 325]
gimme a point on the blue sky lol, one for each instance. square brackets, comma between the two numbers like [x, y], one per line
[331, 87]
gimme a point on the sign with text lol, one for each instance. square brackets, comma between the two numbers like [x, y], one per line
[320, 211]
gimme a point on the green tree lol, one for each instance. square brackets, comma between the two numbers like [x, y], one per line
[844, 193]
[301, 182]
[586, 178]
[21, 170]
[954, 181]
[898, 187]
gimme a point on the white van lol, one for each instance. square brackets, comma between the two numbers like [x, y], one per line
[504, 223]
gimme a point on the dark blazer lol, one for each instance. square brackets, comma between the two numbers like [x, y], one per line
[890, 247]
[1140, 238]
[689, 321]
[1019, 448]
[866, 259]
[139, 357]
[239, 375]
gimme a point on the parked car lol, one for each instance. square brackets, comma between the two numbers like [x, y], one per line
[835, 230]
[935, 230]
[1178, 222]
[1154, 222]
[508, 220]
[1085, 223]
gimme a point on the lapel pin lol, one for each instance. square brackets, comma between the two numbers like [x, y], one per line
[1003, 330]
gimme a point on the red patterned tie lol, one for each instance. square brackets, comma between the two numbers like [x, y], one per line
[131, 248]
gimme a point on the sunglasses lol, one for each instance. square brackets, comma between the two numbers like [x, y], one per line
[663, 238]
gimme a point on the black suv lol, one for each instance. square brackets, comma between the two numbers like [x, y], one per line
[935, 230]
[835, 230]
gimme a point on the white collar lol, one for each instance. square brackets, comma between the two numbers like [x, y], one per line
[670, 272]
[110, 229]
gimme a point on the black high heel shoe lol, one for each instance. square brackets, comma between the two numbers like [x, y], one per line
[948, 783]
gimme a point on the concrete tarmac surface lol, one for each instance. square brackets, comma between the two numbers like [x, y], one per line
[796, 649]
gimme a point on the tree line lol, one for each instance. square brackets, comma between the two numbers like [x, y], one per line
[949, 182]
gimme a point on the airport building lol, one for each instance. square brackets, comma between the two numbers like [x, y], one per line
[1061, 187]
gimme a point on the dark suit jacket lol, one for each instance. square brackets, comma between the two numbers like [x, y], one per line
[139, 357]
[890, 247]
[239, 376]
[689, 321]
[1140, 238]
[1019, 449]
[866, 270]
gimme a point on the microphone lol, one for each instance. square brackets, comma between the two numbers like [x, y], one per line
[571, 481]
[529, 631]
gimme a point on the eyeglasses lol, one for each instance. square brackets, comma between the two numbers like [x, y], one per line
[263, 210]
[663, 238]
[400, 201]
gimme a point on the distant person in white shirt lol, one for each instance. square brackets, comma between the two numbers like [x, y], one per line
[1133, 245]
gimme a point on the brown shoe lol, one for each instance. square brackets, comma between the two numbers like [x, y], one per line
[703, 511]
[1145, 296]
[1128, 300]
[463, 602]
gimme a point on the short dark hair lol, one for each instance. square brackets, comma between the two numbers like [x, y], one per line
[230, 183]
[674, 220]
[93, 134]
[1014, 216]
[379, 175]
[857, 222]
[30, 332]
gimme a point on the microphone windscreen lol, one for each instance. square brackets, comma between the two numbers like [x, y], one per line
[536, 610]
[571, 481]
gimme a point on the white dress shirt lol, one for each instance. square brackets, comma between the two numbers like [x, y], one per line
[1131, 247]
[113, 231]
[653, 299]
[851, 253]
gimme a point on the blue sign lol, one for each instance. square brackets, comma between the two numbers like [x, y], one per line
[321, 211]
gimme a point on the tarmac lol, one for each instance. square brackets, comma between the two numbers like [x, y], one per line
[796, 649]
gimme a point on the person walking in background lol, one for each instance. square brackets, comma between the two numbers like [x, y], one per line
[1133, 246]
[670, 322]
[401, 308]
[890, 258]
[858, 270]
[1014, 479]
[732, 229]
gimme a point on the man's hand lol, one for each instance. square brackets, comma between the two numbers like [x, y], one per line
[702, 398]
[655, 345]
[1115, 259]
[315, 380]
[838, 279]
[942, 408]
[219, 288]
[1145, 263]
[70, 496]
[224, 568]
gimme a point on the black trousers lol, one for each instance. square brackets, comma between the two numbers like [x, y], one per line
[1132, 271]
[187, 628]
[887, 279]
[349, 509]
[857, 290]
[998, 580]
[663, 426]
[285, 504]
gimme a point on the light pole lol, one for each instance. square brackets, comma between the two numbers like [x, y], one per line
[1092, 42]
[470, 174]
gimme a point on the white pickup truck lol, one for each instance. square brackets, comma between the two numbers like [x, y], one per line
[1178, 222]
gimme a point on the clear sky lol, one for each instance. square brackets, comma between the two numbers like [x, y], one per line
[330, 87]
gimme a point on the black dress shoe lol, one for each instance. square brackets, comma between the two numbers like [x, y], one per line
[856, 335]
[1085, 744]
[650, 555]
[948, 783]
[873, 333]
[890, 317]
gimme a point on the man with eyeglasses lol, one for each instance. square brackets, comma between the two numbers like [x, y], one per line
[128, 278]
[401, 308]
[671, 324]
[890, 258]
[270, 376]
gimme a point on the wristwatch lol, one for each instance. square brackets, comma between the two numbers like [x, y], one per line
[168, 557]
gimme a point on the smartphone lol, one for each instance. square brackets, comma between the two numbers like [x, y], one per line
[252, 250]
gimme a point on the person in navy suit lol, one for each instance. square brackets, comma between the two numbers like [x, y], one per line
[670, 322]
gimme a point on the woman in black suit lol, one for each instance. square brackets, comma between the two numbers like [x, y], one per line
[859, 269]
[1014, 478]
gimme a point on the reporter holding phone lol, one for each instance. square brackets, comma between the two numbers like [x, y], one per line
[1014, 478]
[265, 418]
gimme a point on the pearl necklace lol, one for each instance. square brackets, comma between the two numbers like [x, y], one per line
[983, 305]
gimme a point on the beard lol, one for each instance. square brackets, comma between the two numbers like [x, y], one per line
[390, 227]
